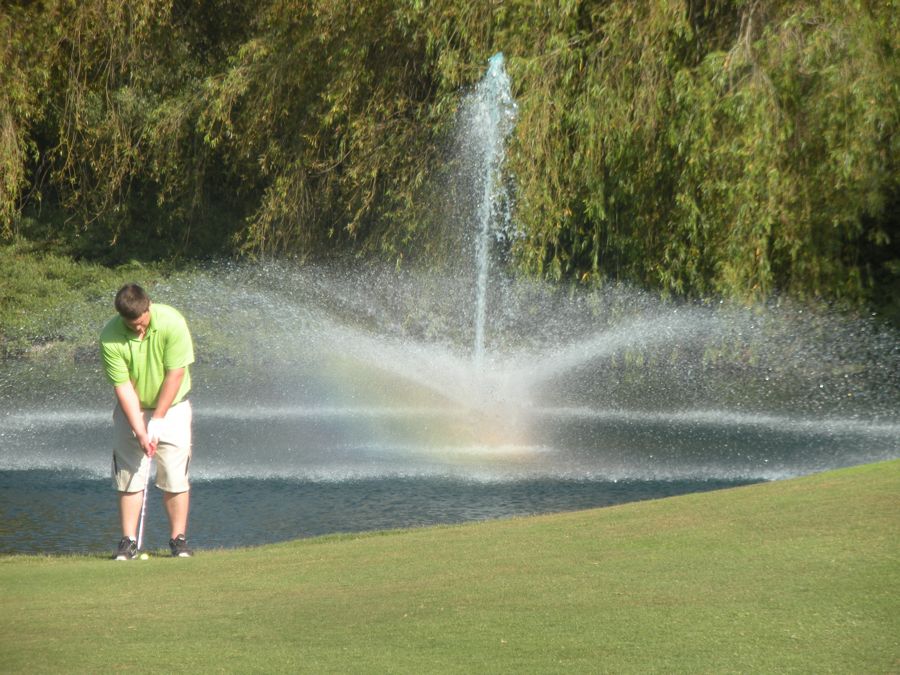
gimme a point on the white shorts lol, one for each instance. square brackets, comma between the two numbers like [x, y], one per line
[131, 467]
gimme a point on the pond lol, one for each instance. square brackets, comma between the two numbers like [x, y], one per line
[347, 396]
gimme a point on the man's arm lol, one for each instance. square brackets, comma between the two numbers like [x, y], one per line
[131, 406]
[168, 391]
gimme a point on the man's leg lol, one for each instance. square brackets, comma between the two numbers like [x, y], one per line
[130, 473]
[177, 505]
[130, 512]
[173, 462]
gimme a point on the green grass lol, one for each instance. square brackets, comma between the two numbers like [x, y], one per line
[792, 576]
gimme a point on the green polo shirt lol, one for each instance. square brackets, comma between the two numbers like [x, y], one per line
[166, 345]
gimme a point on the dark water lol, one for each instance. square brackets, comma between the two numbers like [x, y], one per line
[264, 475]
[60, 511]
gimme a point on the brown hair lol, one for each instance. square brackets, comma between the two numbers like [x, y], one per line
[132, 301]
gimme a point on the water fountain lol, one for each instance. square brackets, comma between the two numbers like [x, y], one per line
[487, 119]
[339, 398]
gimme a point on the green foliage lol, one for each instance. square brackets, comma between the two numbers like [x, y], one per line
[738, 148]
[700, 161]
[115, 150]
[22, 75]
[329, 102]
[49, 301]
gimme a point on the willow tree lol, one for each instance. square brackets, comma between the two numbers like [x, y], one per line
[740, 148]
[22, 73]
[114, 150]
[331, 103]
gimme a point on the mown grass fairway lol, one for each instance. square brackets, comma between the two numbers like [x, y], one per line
[794, 576]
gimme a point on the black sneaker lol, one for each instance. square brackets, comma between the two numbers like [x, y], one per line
[179, 547]
[127, 549]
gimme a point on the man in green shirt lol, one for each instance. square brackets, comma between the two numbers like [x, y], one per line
[147, 352]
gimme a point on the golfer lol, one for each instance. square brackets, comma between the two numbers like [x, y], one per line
[147, 352]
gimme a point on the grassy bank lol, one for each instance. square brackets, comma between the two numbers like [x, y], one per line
[50, 302]
[793, 576]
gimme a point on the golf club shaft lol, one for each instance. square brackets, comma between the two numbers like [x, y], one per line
[140, 539]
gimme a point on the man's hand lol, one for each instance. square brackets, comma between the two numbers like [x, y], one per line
[155, 429]
[147, 445]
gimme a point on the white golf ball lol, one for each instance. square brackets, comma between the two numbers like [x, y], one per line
[144, 556]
